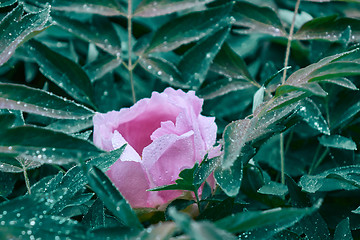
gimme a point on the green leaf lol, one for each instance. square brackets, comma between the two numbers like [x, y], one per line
[199, 230]
[14, 28]
[99, 31]
[7, 183]
[32, 100]
[206, 167]
[70, 125]
[340, 178]
[306, 224]
[258, 98]
[6, 3]
[95, 217]
[221, 87]
[152, 8]
[112, 198]
[103, 65]
[257, 19]
[62, 71]
[106, 8]
[228, 63]
[337, 141]
[28, 217]
[346, 115]
[332, 67]
[160, 231]
[189, 28]
[343, 231]
[229, 179]
[184, 182]
[311, 114]
[282, 218]
[196, 62]
[7, 120]
[44, 145]
[164, 70]
[273, 188]
[17, 165]
[330, 28]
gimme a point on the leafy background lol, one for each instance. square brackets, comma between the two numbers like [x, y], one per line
[288, 123]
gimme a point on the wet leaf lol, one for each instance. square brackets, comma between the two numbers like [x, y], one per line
[196, 62]
[95, 217]
[62, 71]
[184, 182]
[164, 70]
[14, 28]
[6, 3]
[330, 28]
[112, 198]
[189, 28]
[332, 67]
[98, 68]
[276, 219]
[221, 87]
[152, 8]
[343, 231]
[273, 188]
[231, 65]
[27, 216]
[199, 230]
[106, 8]
[258, 98]
[99, 31]
[32, 100]
[7, 183]
[341, 178]
[337, 141]
[44, 145]
[312, 115]
[229, 179]
[256, 19]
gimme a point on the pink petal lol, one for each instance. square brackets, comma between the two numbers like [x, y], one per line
[129, 154]
[166, 157]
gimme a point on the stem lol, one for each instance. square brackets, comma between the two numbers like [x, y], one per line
[130, 67]
[27, 182]
[286, 62]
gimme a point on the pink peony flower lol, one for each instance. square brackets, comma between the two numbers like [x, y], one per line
[165, 134]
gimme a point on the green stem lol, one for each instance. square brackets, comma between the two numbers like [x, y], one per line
[197, 199]
[130, 66]
[286, 62]
[27, 182]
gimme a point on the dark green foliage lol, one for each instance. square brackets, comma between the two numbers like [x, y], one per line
[62, 60]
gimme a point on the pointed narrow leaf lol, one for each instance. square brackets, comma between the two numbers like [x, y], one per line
[196, 62]
[331, 180]
[164, 70]
[311, 114]
[62, 71]
[257, 19]
[99, 31]
[152, 8]
[45, 146]
[343, 230]
[229, 179]
[221, 87]
[247, 221]
[330, 28]
[14, 28]
[337, 141]
[98, 68]
[228, 63]
[32, 100]
[106, 8]
[112, 198]
[189, 28]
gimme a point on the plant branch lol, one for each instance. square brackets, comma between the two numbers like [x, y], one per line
[286, 62]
